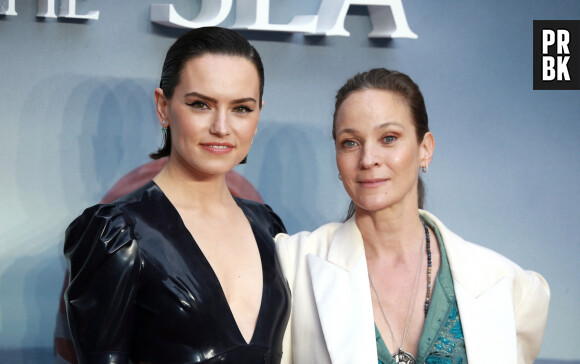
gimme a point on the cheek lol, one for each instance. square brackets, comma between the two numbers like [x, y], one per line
[177, 122]
[403, 159]
[247, 132]
[340, 162]
[347, 163]
[186, 131]
[175, 113]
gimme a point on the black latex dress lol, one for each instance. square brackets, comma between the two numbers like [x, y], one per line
[141, 290]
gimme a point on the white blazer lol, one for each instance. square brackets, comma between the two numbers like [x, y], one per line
[503, 308]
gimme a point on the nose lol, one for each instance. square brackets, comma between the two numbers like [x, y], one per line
[369, 157]
[220, 124]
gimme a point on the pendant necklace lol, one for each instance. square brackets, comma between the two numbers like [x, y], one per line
[402, 356]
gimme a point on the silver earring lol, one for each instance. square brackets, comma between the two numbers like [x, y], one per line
[425, 169]
[339, 177]
[164, 128]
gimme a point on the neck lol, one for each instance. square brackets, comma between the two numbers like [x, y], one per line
[393, 232]
[189, 190]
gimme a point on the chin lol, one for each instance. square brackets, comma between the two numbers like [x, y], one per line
[371, 206]
[212, 169]
[379, 201]
[220, 169]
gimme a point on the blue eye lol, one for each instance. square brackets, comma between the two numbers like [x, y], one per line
[389, 139]
[349, 144]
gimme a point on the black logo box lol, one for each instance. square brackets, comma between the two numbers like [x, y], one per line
[573, 27]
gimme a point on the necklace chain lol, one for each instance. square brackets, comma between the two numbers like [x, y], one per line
[429, 266]
[401, 356]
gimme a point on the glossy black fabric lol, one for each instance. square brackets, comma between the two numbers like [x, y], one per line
[142, 290]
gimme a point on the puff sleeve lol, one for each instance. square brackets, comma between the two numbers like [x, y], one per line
[276, 225]
[103, 260]
[531, 314]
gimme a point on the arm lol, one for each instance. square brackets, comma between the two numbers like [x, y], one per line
[276, 224]
[281, 249]
[531, 313]
[103, 263]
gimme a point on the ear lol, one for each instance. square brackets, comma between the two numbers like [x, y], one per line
[161, 106]
[426, 149]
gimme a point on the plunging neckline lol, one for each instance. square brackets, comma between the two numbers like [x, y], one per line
[209, 267]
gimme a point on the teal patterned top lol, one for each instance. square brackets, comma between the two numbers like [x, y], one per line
[442, 338]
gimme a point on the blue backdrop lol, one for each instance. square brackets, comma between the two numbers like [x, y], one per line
[77, 113]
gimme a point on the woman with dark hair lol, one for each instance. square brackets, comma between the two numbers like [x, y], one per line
[180, 271]
[392, 284]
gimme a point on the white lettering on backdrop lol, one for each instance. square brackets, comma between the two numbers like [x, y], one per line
[68, 9]
[212, 13]
[46, 9]
[387, 17]
[7, 7]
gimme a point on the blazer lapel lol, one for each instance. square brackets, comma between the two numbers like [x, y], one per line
[341, 290]
[485, 304]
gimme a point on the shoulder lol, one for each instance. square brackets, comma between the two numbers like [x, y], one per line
[321, 236]
[477, 267]
[110, 218]
[251, 205]
[293, 250]
[103, 229]
[263, 215]
[317, 242]
[457, 247]
[116, 215]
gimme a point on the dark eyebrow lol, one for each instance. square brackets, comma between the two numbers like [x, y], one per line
[201, 96]
[211, 99]
[245, 99]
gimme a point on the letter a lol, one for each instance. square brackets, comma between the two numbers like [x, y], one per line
[387, 16]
